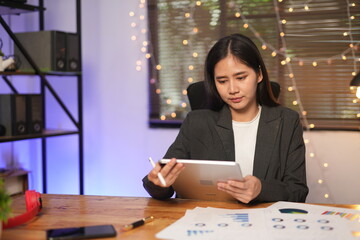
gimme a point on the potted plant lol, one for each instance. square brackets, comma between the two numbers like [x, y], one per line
[5, 205]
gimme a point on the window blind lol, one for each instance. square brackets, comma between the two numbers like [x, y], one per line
[312, 48]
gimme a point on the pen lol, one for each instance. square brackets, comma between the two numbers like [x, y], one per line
[139, 223]
[160, 176]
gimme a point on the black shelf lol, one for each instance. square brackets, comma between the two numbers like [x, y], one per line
[17, 73]
[45, 133]
[11, 8]
[7, 8]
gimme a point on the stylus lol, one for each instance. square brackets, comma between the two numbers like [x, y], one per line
[160, 176]
[139, 223]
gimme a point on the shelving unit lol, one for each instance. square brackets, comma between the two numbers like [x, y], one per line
[7, 8]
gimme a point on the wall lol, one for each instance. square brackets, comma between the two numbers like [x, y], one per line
[117, 138]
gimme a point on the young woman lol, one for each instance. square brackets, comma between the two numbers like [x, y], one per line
[245, 124]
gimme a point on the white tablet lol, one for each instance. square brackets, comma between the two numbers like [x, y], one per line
[199, 178]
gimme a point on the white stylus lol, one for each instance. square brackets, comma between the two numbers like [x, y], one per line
[160, 176]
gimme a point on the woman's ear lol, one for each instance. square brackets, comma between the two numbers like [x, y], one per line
[260, 76]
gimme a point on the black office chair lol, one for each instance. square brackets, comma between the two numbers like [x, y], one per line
[198, 99]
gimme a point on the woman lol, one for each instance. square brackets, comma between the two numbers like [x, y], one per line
[245, 124]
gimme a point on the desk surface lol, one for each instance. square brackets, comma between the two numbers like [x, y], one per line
[77, 210]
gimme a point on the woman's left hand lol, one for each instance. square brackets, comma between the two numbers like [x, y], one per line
[245, 190]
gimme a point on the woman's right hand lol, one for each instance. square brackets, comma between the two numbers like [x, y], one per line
[170, 172]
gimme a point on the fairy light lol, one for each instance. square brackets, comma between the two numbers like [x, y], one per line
[326, 165]
[291, 9]
[295, 103]
[263, 47]
[246, 25]
[190, 79]
[163, 117]
[320, 181]
[173, 115]
[183, 105]
[133, 37]
[326, 195]
[187, 15]
[312, 155]
[237, 14]
[314, 64]
[198, 3]
[195, 54]
[158, 67]
[143, 49]
[185, 42]
[306, 7]
[148, 55]
[291, 75]
[184, 92]
[133, 24]
[304, 113]
[191, 67]
[195, 30]
[312, 125]
[168, 101]
[131, 14]
[290, 89]
[273, 54]
[283, 21]
[158, 91]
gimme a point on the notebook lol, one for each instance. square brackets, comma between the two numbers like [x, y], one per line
[199, 179]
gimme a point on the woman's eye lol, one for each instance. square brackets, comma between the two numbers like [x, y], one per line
[221, 81]
[241, 78]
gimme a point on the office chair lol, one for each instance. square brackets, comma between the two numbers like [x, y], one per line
[198, 99]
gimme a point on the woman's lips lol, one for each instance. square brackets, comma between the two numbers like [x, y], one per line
[236, 100]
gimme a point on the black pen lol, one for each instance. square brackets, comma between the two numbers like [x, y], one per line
[139, 223]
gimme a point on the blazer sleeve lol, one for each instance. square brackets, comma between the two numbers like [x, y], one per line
[179, 149]
[291, 185]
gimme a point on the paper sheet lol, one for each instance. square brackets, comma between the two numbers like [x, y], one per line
[263, 223]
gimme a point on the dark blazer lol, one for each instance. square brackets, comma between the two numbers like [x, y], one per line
[279, 160]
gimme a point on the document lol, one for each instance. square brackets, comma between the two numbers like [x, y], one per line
[292, 222]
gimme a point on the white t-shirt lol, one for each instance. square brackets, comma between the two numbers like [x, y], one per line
[245, 142]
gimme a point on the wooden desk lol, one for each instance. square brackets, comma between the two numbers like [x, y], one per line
[77, 210]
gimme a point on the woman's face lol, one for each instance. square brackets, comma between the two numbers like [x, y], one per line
[236, 84]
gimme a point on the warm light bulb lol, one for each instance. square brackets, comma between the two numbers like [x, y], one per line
[163, 117]
[237, 14]
[326, 195]
[312, 125]
[191, 67]
[173, 115]
[190, 79]
[320, 181]
[183, 105]
[168, 101]
[306, 7]
[184, 92]
[273, 54]
[246, 25]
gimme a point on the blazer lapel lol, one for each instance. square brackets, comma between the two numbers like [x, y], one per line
[268, 129]
[224, 129]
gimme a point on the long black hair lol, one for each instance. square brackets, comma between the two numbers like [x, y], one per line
[245, 51]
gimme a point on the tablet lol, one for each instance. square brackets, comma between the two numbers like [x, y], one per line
[199, 179]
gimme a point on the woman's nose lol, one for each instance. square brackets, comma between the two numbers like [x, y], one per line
[233, 88]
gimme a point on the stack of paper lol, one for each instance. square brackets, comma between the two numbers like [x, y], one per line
[283, 220]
